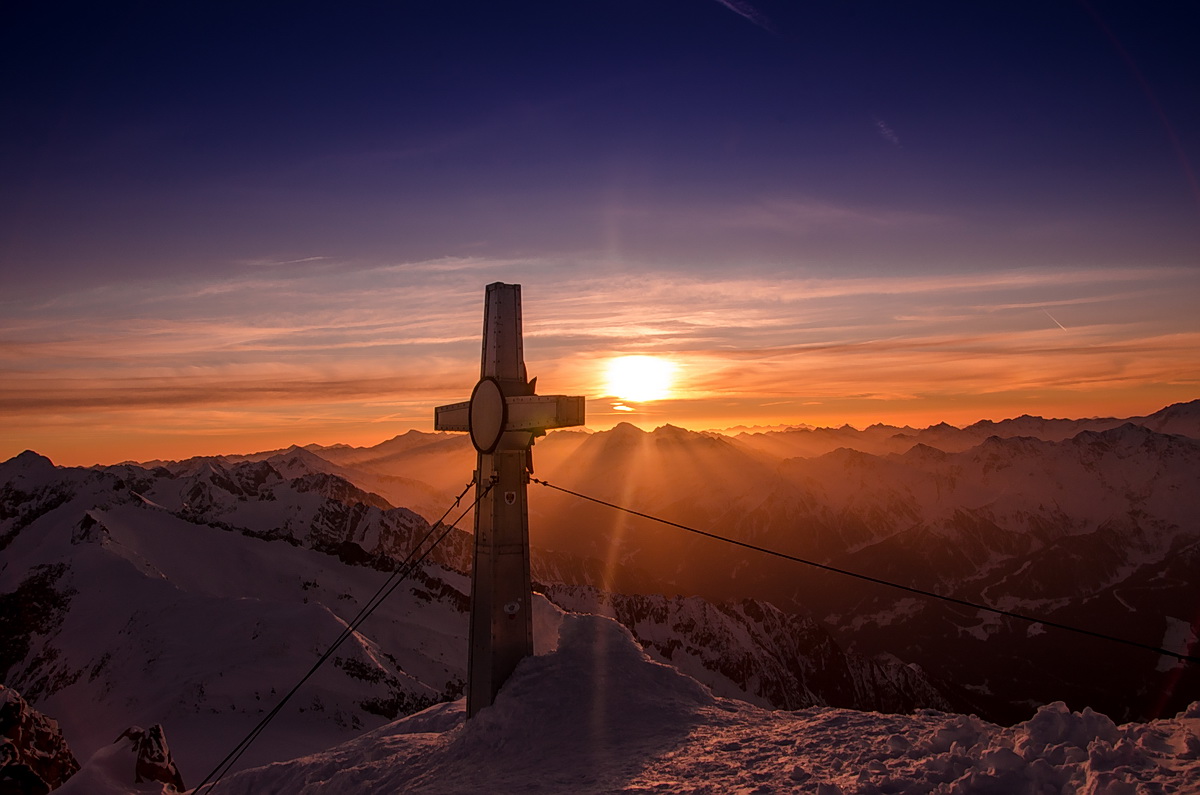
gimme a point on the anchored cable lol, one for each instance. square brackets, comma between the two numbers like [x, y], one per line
[394, 580]
[1187, 658]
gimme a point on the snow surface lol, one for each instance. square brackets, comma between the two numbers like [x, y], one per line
[193, 627]
[110, 771]
[596, 714]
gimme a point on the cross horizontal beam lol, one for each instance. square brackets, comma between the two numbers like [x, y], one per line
[525, 413]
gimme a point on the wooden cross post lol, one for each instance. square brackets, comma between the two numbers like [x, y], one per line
[503, 416]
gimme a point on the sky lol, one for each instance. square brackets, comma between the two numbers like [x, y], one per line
[235, 227]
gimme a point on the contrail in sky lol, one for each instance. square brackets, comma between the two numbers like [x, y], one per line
[749, 12]
[887, 132]
[1060, 325]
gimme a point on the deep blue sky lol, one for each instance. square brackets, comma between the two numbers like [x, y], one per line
[201, 134]
[206, 203]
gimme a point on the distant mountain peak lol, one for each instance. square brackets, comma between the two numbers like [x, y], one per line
[625, 429]
[1178, 418]
[1129, 433]
[674, 432]
[299, 456]
[922, 451]
[1191, 407]
[29, 459]
[26, 466]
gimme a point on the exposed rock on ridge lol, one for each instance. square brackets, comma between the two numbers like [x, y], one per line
[33, 753]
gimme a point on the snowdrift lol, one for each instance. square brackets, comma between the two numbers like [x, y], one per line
[597, 715]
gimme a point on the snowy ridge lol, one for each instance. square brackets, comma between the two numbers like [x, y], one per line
[150, 610]
[195, 595]
[598, 716]
[755, 652]
[1182, 419]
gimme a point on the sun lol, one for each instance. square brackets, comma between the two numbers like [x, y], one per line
[640, 378]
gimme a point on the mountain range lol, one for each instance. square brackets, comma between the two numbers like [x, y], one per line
[194, 593]
[1092, 523]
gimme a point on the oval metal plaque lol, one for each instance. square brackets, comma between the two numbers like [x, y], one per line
[488, 415]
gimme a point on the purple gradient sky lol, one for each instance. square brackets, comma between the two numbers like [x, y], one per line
[226, 227]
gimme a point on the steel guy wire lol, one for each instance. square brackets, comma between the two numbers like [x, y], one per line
[1187, 658]
[398, 575]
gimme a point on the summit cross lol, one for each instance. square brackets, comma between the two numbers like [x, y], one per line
[503, 417]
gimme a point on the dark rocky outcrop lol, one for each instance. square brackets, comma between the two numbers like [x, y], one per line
[34, 757]
[154, 762]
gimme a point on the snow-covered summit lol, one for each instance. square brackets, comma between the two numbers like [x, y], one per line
[597, 716]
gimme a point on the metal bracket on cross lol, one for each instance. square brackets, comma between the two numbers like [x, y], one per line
[503, 416]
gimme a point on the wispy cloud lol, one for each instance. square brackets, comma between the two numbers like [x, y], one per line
[748, 12]
[371, 350]
[271, 263]
[802, 215]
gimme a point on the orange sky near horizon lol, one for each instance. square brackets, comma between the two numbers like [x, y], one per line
[166, 435]
[162, 372]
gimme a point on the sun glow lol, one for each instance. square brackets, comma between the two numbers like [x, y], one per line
[640, 378]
